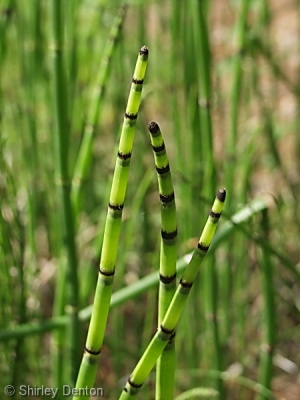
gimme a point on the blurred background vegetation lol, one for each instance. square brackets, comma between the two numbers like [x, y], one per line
[223, 83]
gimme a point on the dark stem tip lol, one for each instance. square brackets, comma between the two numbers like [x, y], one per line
[144, 51]
[221, 195]
[153, 127]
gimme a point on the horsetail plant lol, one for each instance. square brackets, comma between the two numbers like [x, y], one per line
[150, 281]
[165, 371]
[87, 371]
[170, 320]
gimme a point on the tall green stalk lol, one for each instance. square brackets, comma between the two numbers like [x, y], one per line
[64, 184]
[269, 315]
[231, 154]
[166, 329]
[88, 368]
[165, 372]
[236, 89]
[203, 63]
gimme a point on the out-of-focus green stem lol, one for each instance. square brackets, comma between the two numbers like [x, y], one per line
[136, 289]
[226, 275]
[203, 65]
[269, 314]
[63, 183]
[85, 152]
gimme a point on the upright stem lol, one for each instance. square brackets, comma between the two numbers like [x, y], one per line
[88, 367]
[203, 62]
[236, 85]
[231, 154]
[269, 313]
[83, 161]
[202, 49]
[150, 281]
[165, 372]
[175, 309]
[63, 183]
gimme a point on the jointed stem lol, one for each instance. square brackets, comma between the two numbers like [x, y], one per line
[150, 281]
[165, 371]
[103, 293]
[166, 329]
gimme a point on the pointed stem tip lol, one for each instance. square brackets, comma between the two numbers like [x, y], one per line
[153, 127]
[144, 51]
[221, 195]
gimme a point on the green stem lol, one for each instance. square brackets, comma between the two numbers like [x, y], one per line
[166, 330]
[85, 152]
[103, 292]
[203, 65]
[165, 372]
[150, 281]
[63, 182]
[226, 275]
[269, 315]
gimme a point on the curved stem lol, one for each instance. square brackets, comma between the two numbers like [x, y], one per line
[166, 330]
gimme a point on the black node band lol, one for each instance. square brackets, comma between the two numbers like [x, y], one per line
[169, 235]
[167, 198]
[132, 116]
[185, 284]
[214, 215]
[166, 331]
[137, 81]
[163, 170]
[105, 272]
[124, 156]
[134, 385]
[202, 247]
[116, 207]
[167, 279]
[92, 352]
[159, 149]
